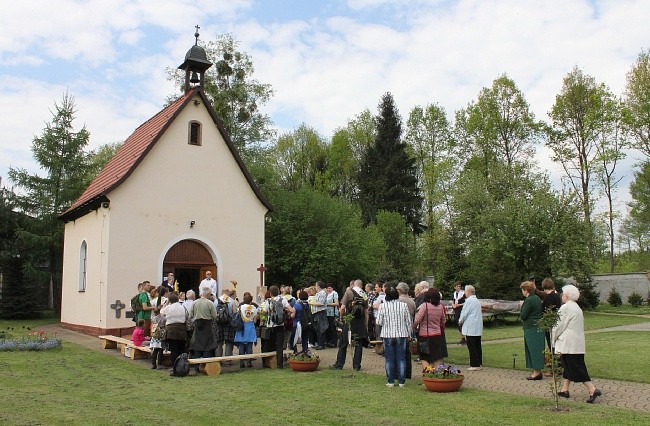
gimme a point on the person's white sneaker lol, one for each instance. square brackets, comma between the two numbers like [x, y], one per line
[389, 385]
[474, 369]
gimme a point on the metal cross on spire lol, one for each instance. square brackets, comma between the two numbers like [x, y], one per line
[196, 34]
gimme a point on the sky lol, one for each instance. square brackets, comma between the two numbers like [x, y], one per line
[327, 61]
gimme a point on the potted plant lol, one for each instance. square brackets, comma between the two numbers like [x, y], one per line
[442, 378]
[304, 361]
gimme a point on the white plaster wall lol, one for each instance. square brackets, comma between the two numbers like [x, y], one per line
[86, 307]
[175, 184]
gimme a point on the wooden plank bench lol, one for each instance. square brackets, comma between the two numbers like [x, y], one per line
[126, 345]
[212, 366]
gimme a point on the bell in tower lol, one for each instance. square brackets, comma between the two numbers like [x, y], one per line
[195, 65]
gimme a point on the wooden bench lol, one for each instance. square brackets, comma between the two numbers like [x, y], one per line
[127, 348]
[212, 366]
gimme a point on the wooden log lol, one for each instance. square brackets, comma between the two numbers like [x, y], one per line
[211, 368]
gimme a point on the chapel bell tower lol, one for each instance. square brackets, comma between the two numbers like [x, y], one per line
[195, 65]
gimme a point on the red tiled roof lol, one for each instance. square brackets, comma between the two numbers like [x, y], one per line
[133, 151]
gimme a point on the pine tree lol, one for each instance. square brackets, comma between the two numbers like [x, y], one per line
[16, 290]
[387, 177]
[60, 153]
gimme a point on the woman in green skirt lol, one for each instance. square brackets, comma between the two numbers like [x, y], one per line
[531, 312]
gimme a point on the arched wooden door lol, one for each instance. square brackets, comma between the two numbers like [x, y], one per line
[188, 260]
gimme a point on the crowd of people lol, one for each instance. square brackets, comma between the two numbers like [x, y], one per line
[317, 319]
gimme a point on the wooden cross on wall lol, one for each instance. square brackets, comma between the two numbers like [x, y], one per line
[262, 270]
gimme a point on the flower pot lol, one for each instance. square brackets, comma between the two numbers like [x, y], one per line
[311, 365]
[443, 385]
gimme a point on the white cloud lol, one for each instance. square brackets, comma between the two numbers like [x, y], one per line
[324, 69]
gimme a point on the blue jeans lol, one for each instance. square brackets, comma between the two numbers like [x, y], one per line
[244, 349]
[395, 353]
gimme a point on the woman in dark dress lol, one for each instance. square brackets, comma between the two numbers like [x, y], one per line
[531, 312]
[551, 301]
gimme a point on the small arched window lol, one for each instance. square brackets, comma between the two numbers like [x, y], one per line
[83, 262]
[194, 135]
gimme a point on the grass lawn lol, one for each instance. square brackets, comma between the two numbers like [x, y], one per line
[19, 328]
[601, 348]
[623, 309]
[511, 327]
[75, 385]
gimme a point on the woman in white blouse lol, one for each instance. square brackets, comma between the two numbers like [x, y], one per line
[175, 332]
[569, 340]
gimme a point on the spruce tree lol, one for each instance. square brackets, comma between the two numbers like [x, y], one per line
[60, 154]
[387, 177]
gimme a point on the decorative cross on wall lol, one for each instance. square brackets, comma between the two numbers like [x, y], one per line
[262, 269]
[118, 306]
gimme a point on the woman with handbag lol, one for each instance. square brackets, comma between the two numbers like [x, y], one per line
[430, 324]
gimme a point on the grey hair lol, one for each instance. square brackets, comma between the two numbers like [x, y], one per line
[190, 295]
[470, 289]
[424, 285]
[571, 291]
[403, 288]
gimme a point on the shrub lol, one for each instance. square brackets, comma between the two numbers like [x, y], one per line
[589, 298]
[635, 299]
[614, 298]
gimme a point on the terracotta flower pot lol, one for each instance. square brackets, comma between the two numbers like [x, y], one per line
[311, 365]
[443, 385]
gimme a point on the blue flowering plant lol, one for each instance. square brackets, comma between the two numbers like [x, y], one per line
[442, 371]
[34, 341]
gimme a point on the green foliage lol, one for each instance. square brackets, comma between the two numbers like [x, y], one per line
[635, 299]
[400, 257]
[236, 95]
[580, 116]
[345, 153]
[98, 158]
[511, 234]
[499, 126]
[637, 102]
[640, 193]
[60, 154]
[589, 297]
[314, 235]
[300, 158]
[614, 298]
[387, 177]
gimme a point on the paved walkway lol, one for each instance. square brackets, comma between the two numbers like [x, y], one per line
[616, 393]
